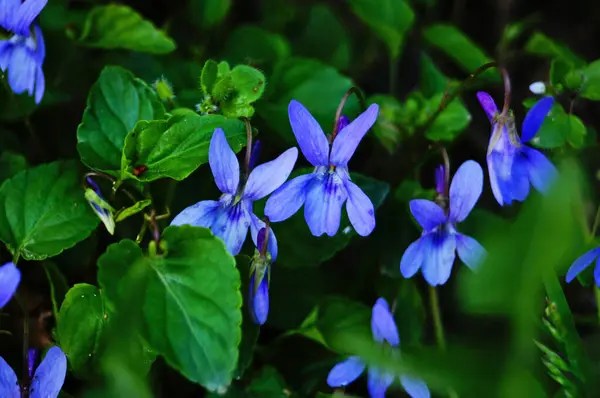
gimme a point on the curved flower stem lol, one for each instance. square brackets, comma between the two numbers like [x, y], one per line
[507, 88]
[248, 149]
[446, 171]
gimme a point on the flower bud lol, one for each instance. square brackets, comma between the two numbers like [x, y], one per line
[102, 208]
[164, 89]
[538, 88]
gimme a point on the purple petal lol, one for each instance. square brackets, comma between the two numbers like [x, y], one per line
[310, 136]
[414, 387]
[346, 142]
[440, 180]
[345, 372]
[535, 117]
[32, 356]
[360, 209]
[488, 105]
[254, 154]
[269, 176]
[21, 71]
[6, 50]
[470, 251]
[379, 382]
[343, 121]
[232, 224]
[260, 238]
[597, 273]
[465, 190]
[494, 184]
[25, 15]
[259, 302]
[9, 386]
[202, 214]
[223, 163]
[412, 259]
[40, 84]
[50, 375]
[383, 325]
[540, 170]
[10, 277]
[288, 198]
[582, 263]
[40, 45]
[428, 214]
[323, 207]
[439, 253]
[8, 10]
[259, 225]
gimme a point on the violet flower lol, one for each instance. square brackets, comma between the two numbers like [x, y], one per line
[10, 277]
[324, 191]
[260, 273]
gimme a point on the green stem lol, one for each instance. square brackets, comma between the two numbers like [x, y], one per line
[437, 318]
[596, 222]
[393, 76]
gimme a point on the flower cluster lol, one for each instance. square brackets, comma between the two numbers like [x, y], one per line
[22, 54]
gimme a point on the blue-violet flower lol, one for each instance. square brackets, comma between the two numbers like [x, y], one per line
[434, 251]
[23, 53]
[47, 379]
[260, 274]
[512, 166]
[10, 277]
[324, 191]
[384, 331]
[583, 262]
[230, 217]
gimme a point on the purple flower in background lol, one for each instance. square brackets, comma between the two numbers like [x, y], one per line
[384, 331]
[23, 53]
[260, 271]
[324, 191]
[10, 277]
[513, 166]
[583, 262]
[230, 217]
[434, 251]
[47, 379]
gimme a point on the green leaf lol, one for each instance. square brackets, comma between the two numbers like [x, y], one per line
[248, 83]
[268, 383]
[43, 211]
[10, 164]
[299, 248]
[208, 77]
[542, 45]
[250, 330]
[117, 101]
[590, 87]
[208, 13]
[462, 50]
[389, 19]
[559, 128]
[559, 69]
[257, 47]
[177, 147]
[81, 323]
[303, 80]
[58, 285]
[325, 38]
[118, 26]
[410, 312]
[432, 81]
[191, 300]
[387, 128]
[132, 210]
[450, 122]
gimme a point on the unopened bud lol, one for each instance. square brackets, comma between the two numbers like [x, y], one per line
[164, 89]
[538, 88]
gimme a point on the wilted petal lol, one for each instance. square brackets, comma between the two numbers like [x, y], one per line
[535, 117]
[310, 136]
[428, 214]
[438, 251]
[231, 225]
[383, 325]
[10, 277]
[378, 383]
[412, 259]
[345, 372]
[223, 163]
[540, 170]
[414, 387]
[465, 190]
[258, 225]
[201, 214]
[582, 263]
[9, 386]
[259, 303]
[470, 251]
[50, 375]
[323, 207]
[288, 199]
[360, 209]
[269, 176]
[347, 140]
[488, 104]
[21, 71]
[25, 15]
